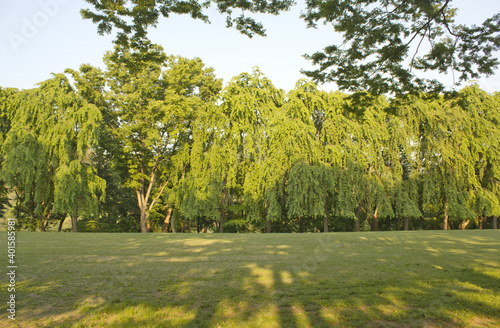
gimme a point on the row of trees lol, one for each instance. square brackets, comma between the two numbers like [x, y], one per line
[155, 143]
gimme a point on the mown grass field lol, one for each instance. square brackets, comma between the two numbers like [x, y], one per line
[385, 279]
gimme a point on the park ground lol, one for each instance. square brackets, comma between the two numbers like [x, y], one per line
[368, 279]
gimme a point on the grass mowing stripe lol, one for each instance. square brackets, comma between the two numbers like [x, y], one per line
[383, 279]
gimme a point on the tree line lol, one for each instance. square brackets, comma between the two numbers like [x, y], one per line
[157, 143]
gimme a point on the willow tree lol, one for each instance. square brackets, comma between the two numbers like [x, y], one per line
[249, 101]
[290, 139]
[481, 112]
[118, 209]
[156, 99]
[308, 189]
[447, 165]
[307, 108]
[200, 194]
[404, 127]
[6, 114]
[48, 152]
[356, 142]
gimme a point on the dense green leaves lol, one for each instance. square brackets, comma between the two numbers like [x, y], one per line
[48, 152]
[383, 41]
[160, 132]
[132, 18]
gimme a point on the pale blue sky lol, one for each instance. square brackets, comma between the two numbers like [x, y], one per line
[38, 37]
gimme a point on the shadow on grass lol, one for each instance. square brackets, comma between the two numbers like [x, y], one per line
[302, 280]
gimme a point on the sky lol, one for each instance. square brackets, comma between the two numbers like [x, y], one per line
[40, 37]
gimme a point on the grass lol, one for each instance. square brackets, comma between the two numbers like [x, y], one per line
[385, 279]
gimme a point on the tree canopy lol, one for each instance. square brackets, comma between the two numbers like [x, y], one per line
[387, 44]
[161, 132]
[133, 17]
[383, 42]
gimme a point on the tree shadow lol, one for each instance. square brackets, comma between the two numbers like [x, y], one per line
[231, 280]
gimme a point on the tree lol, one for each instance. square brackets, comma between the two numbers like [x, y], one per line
[156, 99]
[117, 211]
[382, 41]
[201, 192]
[48, 153]
[6, 114]
[483, 145]
[133, 17]
[249, 102]
[447, 164]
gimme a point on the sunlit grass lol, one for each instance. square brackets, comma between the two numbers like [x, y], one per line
[398, 279]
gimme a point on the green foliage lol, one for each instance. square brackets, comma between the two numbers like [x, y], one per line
[133, 18]
[156, 99]
[305, 188]
[158, 131]
[48, 152]
[380, 52]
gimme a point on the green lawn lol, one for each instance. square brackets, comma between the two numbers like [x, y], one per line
[385, 279]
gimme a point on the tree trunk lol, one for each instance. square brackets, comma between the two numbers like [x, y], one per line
[446, 219]
[144, 220]
[375, 221]
[495, 222]
[268, 226]
[141, 201]
[481, 222]
[44, 225]
[172, 223]
[223, 205]
[166, 222]
[464, 224]
[406, 223]
[61, 222]
[74, 221]
[325, 220]
[358, 221]
[222, 218]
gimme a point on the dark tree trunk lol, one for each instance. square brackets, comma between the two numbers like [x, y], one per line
[74, 221]
[268, 226]
[481, 222]
[406, 223]
[221, 221]
[172, 223]
[495, 222]
[44, 225]
[223, 205]
[358, 221]
[327, 213]
[61, 222]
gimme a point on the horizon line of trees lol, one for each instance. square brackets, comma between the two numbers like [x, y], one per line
[156, 143]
